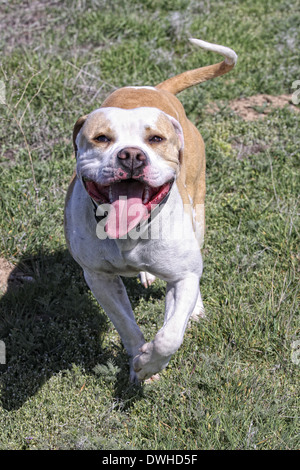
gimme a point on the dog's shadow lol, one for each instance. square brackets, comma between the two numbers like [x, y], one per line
[50, 321]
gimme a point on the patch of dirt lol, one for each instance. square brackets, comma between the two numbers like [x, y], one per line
[257, 106]
[11, 276]
[22, 24]
[7, 158]
[245, 150]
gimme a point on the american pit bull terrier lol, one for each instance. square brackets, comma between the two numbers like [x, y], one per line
[136, 206]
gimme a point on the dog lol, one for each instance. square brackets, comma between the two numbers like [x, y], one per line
[135, 206]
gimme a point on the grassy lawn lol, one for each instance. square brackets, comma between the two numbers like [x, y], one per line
[234, 383]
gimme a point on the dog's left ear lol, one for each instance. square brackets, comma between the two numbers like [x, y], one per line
[78, 125]
[178, 130]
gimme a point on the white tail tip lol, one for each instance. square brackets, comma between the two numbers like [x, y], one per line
[230, 56]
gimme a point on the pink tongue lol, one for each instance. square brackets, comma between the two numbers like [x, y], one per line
[127, 208]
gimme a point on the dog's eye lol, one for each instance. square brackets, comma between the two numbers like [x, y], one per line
[155, 139]
[102, 138]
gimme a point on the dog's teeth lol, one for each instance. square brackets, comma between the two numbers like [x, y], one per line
[146, 194]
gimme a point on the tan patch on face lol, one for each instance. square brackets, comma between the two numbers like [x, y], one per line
[169, 147]
[96, 124]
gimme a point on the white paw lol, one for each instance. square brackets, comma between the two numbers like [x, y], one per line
[199, 311]
[149, 362]
[133, 377]
[146, 278]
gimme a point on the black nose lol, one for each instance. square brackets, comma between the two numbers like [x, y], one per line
[132, 157]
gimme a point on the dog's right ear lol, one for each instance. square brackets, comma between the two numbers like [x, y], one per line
[78, 125]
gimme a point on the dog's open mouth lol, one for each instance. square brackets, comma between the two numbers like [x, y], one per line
[130, 201]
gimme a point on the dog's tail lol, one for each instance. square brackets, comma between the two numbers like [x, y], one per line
[193, 77]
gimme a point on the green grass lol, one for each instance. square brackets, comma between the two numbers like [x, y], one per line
[233, 383]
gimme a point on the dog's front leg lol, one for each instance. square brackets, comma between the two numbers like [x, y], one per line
[181, 299]
[112, 296]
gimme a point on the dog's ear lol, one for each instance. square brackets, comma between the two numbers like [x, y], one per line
[178, 130]
[78, 125]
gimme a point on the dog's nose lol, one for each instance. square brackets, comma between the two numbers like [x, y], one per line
[132, 157]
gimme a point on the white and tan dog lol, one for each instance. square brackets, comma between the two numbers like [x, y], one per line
[136, 206]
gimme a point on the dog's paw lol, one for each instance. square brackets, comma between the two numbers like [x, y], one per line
[133, 377]
[149, 362]
[153, 378]
[146, 278]
[199, 311]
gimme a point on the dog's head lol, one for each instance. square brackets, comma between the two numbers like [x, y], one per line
[128, 157]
